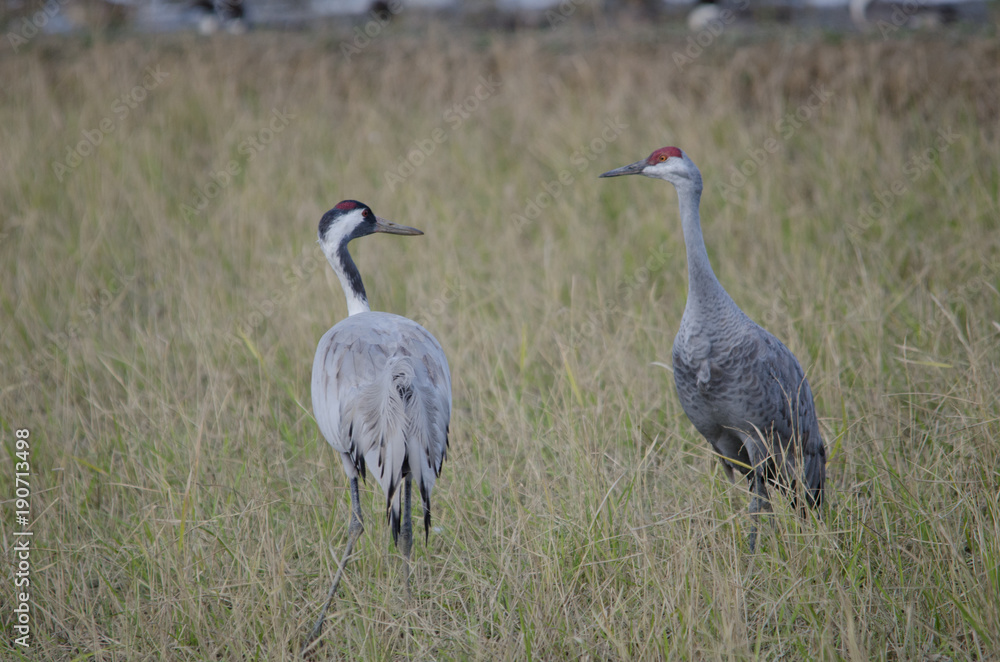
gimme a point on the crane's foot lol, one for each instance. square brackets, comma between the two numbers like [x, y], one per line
[756, 511]
[752, 538]
[406, 573]
[759, 505]
[406, 544]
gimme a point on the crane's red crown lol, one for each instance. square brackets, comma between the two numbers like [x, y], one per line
[348, 205]
[663, 154]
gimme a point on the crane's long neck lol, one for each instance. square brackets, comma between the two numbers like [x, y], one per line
[703, 286]
[350, 279]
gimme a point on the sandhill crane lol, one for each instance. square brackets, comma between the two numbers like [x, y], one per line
[381, 392]
[738, 384]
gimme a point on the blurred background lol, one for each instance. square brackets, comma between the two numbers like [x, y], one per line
[207, 16]
[163, 169]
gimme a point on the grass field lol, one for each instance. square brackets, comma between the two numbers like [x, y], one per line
[163, 294]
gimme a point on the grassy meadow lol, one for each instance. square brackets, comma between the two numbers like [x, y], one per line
[163, 294]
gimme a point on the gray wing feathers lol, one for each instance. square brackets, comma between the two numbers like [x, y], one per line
[382, 398]
[378, 420]
[333, 381]
[427, 429]
[791, 408]
[755, 388]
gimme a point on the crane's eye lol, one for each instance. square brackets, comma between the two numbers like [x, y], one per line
[663, 157]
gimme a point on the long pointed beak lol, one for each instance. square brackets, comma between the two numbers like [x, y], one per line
[631, 169]
[382, 225]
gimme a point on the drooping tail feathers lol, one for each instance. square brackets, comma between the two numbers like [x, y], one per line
[395, 431]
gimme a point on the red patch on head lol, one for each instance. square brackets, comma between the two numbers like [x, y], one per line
[347, 205]
[663, 154]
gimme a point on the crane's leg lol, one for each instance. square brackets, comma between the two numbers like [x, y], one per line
[407, 535]
[354, 531]
[759, 503]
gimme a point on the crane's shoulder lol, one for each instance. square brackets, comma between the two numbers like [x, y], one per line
[740, 360]
[776, 355]
[738, 343]
[394, 334]
[358, 348]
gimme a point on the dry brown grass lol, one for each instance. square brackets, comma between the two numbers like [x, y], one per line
[184, 505]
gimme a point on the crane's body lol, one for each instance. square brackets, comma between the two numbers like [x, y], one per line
[745, 392]
[381, 393]
[741, 388]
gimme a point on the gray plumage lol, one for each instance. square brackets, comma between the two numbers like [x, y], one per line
[738, 384]
[381, 393]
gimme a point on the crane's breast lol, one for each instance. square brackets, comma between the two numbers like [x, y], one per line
[717, 379]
